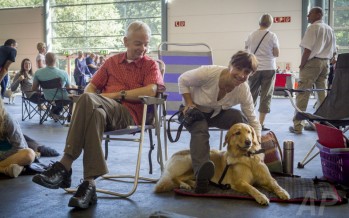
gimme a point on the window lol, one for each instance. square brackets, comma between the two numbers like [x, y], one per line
[341, 24]
[337, 16]
[92, 25]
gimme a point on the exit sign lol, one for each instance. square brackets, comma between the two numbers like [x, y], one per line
[282, 19]
[104, 52]
[180, 23]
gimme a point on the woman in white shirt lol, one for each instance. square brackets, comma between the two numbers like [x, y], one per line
[265, 45]
[40, 58]
[214, 90]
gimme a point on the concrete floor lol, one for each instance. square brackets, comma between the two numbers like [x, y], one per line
[20, 197]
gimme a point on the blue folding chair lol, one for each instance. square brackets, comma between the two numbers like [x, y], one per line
[179, 58]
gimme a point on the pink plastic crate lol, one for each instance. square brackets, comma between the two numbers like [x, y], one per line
[335, 164]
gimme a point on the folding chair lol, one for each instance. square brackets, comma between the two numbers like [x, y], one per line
[31, 108]
[60, 99]
[179, 58]
[333, 111]
[150, 122]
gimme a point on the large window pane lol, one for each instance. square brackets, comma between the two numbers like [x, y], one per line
[97, 25]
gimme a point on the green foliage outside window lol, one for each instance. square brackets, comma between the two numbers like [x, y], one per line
[81, 25]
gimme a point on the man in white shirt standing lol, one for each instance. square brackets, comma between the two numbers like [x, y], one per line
[319, 46]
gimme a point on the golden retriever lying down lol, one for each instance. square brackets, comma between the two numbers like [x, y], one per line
[246, 168]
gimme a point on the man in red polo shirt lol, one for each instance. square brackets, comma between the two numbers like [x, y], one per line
[123, 77]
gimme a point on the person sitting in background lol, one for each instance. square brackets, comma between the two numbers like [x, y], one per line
[14, 151]
[25, 78]
[91, 64]
[265, 45]
[214, 90]
[81, 70]
[48, 73]
[40, 58]
[123, 77]
[8, 53]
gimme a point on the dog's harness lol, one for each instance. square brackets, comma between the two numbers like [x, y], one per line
[227, 186]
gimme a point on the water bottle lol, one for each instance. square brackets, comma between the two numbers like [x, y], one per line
[287, 162]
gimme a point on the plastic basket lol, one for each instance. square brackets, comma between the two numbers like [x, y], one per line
[335, 164]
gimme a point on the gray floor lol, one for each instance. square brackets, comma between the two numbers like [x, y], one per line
[22, 198]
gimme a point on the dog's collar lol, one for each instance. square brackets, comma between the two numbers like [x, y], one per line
[251, 153]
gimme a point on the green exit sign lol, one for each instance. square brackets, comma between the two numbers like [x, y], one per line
[104, 52]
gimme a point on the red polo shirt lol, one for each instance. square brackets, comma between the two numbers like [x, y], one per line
[117, 74]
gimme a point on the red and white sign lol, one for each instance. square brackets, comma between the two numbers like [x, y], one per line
[180, 23]
[282, 19]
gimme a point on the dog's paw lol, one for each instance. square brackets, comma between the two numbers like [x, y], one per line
[282, 194]
[262, 199]
[184, 185]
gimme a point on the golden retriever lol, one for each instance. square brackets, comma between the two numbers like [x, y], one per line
[246, 167]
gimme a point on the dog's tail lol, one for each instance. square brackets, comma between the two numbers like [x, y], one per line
[165, 184]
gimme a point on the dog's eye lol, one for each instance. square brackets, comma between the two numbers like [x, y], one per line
[237, 133]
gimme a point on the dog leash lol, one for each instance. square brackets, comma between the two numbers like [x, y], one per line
[220, 185]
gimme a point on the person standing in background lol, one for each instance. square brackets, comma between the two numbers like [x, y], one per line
[265, 45]
[319, 46]
[91, 63]
[8, 53]
[40, 58]
[81, 70]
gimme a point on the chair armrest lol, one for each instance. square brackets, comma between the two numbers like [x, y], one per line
[148, 100]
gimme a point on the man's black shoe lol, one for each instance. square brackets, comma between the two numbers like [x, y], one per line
[265, 128]
[56, 176]
[203, 176]
[84, 196]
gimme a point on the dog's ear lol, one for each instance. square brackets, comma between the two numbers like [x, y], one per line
[255, 141]
[228, 136]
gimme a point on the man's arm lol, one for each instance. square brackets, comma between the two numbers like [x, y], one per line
[131, 95]
[4, 69]
[35, 86]
[90, 88]
[305, 56]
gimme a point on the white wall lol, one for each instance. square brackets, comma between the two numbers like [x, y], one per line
[225, 25]
[26, 26]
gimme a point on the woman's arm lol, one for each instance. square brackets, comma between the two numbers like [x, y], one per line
[18, 78]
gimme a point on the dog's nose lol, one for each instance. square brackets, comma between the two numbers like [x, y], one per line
[247, 142]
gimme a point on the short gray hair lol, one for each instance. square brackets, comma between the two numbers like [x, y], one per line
[136, 26]
[266, 20]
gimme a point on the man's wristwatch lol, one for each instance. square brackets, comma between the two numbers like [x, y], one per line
[123, 94]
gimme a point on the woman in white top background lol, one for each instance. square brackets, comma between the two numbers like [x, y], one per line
[265, 45]
[40, 58]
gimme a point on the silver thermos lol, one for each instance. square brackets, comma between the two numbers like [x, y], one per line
[287, 162]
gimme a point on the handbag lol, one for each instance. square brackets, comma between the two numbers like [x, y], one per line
[273, 153]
